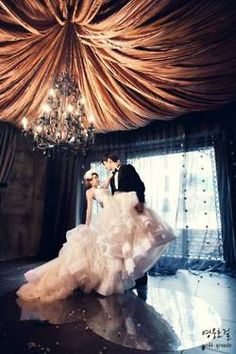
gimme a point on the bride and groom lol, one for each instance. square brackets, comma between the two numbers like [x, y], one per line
[113, 250]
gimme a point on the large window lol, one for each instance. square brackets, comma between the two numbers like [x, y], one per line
[182, 188]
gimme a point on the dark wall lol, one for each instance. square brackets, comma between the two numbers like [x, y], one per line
[21, 203]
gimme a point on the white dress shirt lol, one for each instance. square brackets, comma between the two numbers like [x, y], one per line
[116, 178]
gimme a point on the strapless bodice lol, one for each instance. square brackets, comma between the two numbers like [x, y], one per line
[101, 194]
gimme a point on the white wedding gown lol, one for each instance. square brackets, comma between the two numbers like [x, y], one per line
[118, 247]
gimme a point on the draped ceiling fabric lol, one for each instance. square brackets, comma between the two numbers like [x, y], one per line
[135, 60]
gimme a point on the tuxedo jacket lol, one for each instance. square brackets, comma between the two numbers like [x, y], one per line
[128, 181]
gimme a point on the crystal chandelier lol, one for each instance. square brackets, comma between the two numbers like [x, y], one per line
[61, 124]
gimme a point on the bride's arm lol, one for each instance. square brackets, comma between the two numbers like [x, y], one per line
[89, 197]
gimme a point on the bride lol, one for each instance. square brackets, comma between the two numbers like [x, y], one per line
[107, 254]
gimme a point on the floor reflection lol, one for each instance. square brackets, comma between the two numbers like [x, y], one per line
[189, 316]
[168, 320]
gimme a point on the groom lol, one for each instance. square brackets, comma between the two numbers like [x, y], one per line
[126, 179]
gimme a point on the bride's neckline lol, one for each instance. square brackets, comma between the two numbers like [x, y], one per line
[97, 188]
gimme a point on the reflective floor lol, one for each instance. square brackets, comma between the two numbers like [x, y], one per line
[171, 320]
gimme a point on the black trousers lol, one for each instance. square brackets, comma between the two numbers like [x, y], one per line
[141, 281]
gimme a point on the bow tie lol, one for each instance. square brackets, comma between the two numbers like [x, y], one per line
[115, 171]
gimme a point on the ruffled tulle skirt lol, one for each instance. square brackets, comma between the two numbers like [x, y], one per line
[117, 248]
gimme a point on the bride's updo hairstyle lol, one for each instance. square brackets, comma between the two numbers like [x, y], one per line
[88, 178]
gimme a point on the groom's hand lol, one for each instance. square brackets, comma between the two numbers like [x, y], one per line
[139, 207]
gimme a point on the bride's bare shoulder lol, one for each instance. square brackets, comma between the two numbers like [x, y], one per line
[90, 192]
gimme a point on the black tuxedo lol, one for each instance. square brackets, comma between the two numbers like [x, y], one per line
[128, 181]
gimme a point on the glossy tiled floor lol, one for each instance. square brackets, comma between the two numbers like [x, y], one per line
[184, 313]
[217, 290]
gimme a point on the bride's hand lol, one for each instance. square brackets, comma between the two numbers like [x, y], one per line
[140, 207]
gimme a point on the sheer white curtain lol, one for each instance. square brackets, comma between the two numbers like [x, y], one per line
[161, 176]
[182, 188]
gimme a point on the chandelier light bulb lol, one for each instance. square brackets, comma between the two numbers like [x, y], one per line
[91, 118]
[70, 108]
[52, 92]
[39, 129]
[82, 100]
[46, 108]
[24, 122]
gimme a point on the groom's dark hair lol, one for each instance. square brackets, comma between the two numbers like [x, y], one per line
[110, 155]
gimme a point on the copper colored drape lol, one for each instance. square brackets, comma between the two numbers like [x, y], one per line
[135, 60]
